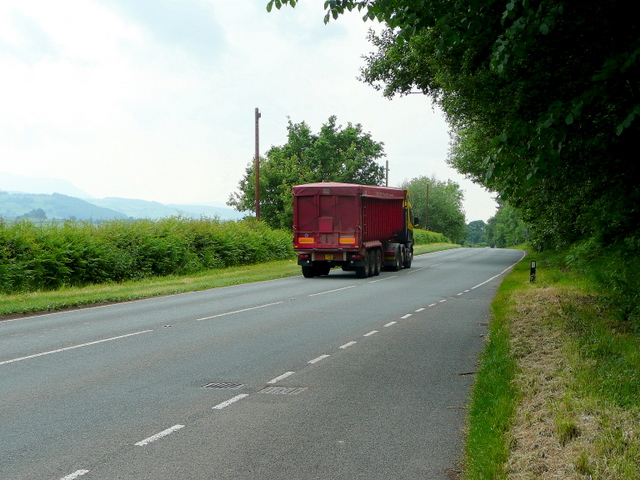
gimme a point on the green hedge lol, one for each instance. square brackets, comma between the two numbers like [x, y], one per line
[424, 237]
[49, 256]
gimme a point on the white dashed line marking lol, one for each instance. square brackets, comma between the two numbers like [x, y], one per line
[74, 347]
[281, 377]
[372, 332]
[419, 310]
[404, 317]
[347, 345]
[433, 305]
[158, 436]
[317, 359]
[222, 405]
[238, 311]
[389, 324]
[332, 291]
[383, 279]
[76, 474]
[443, 300]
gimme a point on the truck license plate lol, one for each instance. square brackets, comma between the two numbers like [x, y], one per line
[328, 256]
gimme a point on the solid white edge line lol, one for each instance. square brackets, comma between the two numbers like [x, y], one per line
[76, 474]
[281, 377]
[331, 291]
[347, 345]
[222, 405]
[317, 359]
[59, 350]
[158, 436]
[502, 272]
[372, 332]
[238, 311]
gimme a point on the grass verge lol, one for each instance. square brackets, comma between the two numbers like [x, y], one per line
[28, 303]
[558, 386]
[134, 290]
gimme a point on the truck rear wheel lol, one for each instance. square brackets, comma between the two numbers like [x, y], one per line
[370, 262]
[408, 257]
[397, 259]
[365, 270]
[377, 265]
[307, 272]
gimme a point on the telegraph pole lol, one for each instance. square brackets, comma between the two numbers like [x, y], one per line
[257, 164]
[387, 174]
[426, 210]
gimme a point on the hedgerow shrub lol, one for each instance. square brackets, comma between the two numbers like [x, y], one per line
[49, 256]
[424, 237]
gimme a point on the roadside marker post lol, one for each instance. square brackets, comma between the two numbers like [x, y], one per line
[532, 272]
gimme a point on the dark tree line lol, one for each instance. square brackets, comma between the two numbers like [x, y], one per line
[543, 97]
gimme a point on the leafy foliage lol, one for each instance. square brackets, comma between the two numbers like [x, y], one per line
[477, 232]
[425, 237]
[45, 257]
[334, 154]
[443, 211]
[543, 97]
[506, 228]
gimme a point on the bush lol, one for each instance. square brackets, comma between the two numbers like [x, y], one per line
[424, 237]
[49, 256]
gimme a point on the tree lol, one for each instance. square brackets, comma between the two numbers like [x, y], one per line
[443, 212]
[477, 232]
[335, 154]
[543, 97]
[506, 228]
[36, 213]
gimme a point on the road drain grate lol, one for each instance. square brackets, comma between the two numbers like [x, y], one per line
[283, 390]
[224, 385]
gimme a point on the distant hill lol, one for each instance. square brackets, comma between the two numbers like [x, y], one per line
[24, 184]
[145, 209]
[63, 207]
[23, 194]
[55, 206]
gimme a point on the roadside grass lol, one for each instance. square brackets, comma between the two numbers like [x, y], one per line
[74, 297]
[70, 297]
[433, 247]
[558, 391]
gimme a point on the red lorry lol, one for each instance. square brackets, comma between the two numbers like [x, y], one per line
[360, 228]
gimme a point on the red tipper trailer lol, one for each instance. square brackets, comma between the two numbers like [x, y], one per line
[361, 228]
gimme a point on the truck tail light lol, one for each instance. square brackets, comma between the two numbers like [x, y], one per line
[347, 240]
[356, 256]
[306, 240]
[304, 256]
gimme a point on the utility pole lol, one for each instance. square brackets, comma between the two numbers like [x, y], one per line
[387, 174]
[426, 210]
[257, 164]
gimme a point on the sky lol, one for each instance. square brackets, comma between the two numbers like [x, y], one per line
[156, 100]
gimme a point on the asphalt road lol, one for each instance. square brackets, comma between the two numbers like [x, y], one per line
[325, 378]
